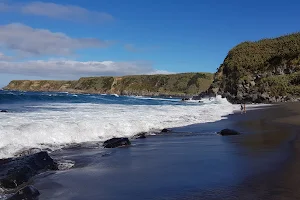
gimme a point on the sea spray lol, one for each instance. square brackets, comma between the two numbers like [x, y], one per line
[53, 125]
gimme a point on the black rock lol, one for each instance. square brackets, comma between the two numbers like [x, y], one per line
[4, 111]
[226, 132]
[140, 136]
[165, 130]
[27, 193]
[16, 171]
[116, 142]
[185, 99]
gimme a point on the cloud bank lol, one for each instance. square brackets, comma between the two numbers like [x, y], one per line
[75, 69]
[57, 11]
[29, 41]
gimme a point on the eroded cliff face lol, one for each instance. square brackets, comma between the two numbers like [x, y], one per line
[185, 84]
[278, 85]
[260, 72]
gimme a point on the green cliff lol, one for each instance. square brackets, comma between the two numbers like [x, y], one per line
[263, 71]
[152, 85]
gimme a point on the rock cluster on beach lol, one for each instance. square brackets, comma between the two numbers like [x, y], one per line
[16, 172]
[124, 141]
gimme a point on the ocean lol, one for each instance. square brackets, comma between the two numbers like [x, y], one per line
[51, 120]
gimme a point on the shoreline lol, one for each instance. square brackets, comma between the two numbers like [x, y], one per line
[247, 162]
[189, 162]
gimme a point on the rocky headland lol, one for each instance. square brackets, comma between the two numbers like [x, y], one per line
[264, 71]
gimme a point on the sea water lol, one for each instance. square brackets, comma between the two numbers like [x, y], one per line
[52, 120]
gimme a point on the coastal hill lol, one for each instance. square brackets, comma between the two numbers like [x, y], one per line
[263, 71]
[184, 84]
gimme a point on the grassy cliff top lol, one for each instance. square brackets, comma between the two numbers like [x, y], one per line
[164, 84]
[268, 68]
[259, 55]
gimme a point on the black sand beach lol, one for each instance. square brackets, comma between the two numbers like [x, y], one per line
[192, 163]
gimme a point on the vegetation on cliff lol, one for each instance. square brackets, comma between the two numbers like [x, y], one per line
[172, 84]
[264, 71]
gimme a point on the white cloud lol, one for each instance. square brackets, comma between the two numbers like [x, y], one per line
[30, 41]
[74, 69]
[58, 11]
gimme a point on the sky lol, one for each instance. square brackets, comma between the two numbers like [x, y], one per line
[68, 39]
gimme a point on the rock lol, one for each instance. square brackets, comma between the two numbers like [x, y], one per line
[116, 142]
[16, 171]
[140, 135]
[254, 98]
[265, 96]
[226, 132]
[27, 193]
[165, 130]
[4, 111]
[215, 90]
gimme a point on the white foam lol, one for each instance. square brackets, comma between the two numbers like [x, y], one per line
[76, 123]
[65, 164]
[154, 98]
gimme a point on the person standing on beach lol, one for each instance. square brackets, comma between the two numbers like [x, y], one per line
[243, 108]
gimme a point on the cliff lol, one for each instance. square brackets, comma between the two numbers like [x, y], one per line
[185, 84]
[264, 71]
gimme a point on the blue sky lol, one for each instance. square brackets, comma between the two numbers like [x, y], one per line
[69, 39]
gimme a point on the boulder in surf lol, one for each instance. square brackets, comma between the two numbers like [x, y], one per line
[165, 130]
[16, 171]
[116, 142]
[140, 135]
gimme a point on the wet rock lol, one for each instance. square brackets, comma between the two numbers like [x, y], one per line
[27, 193]
[165, 130]
[116, 142]
[4, 111]
[226, 132]
[16, 171]
[140, 135]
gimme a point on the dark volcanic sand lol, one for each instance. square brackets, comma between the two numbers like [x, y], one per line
[262, 163]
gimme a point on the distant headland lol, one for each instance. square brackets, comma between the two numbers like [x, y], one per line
[183, 84]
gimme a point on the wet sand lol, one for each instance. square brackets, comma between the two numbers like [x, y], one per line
[274, 129]
[192, 163]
